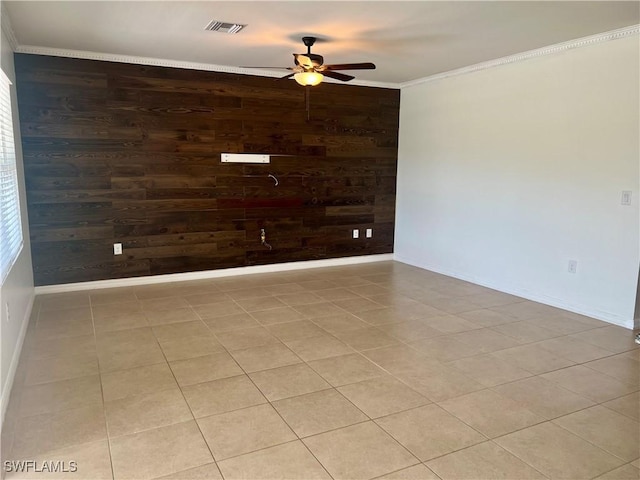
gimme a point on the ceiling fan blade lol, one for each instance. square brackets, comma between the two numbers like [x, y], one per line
[350, 66]
[337, 76]
[287, 76]
[271, 68]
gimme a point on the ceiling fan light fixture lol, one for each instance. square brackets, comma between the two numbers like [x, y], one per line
[308, 79]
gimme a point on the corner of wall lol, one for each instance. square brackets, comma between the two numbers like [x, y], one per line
[636, 314]
[7, 386]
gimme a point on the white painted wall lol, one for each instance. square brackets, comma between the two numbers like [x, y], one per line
[17, 291]
[507, 173]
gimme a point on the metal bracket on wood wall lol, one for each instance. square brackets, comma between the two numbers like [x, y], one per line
[244, 158]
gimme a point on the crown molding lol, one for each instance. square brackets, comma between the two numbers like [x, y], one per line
[7, 29]
[162, 62]
[539, 52]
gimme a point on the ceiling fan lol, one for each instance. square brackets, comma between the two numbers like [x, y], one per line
[310, 69]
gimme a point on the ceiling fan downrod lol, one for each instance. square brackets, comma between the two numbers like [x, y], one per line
[309, 41]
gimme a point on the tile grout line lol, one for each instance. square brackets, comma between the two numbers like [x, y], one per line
[620, 466]
[270, 403]
[334, 388]
[331, 387]
[193, 417]
[104, 407]
[165, 389]
[490, 440]
[486, 388]
[586, 439]
[275, 409]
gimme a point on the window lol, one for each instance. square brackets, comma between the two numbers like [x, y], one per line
[10, 226]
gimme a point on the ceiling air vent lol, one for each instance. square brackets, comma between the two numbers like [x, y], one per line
[224, 27]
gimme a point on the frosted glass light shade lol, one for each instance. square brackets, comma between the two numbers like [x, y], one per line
[308, 78]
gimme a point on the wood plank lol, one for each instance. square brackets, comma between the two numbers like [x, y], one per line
[97, 195]
[48, 234]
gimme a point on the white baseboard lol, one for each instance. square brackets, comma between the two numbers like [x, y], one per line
[13, 366]
[529, 295]
[203, 275]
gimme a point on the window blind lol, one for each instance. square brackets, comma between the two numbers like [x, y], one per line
[10, 225]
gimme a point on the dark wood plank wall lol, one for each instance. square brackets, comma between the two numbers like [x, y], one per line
[129, 153]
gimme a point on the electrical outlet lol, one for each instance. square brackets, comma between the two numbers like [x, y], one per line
[626, 197]
[356, 233]
[573, 266]
[7, 313]
[117, 249]
[369, 233]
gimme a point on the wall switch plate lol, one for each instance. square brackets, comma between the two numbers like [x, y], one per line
[626, 197]
[369, 233]
[573, 266]
[117, 249]
[356, 233]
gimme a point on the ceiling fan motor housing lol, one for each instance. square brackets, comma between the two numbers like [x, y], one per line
[308, 41]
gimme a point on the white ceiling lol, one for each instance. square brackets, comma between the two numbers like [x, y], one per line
[407, 40]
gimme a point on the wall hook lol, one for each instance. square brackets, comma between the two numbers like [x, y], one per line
[275, 179]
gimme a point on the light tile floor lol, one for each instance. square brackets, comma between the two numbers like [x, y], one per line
[372, 371]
